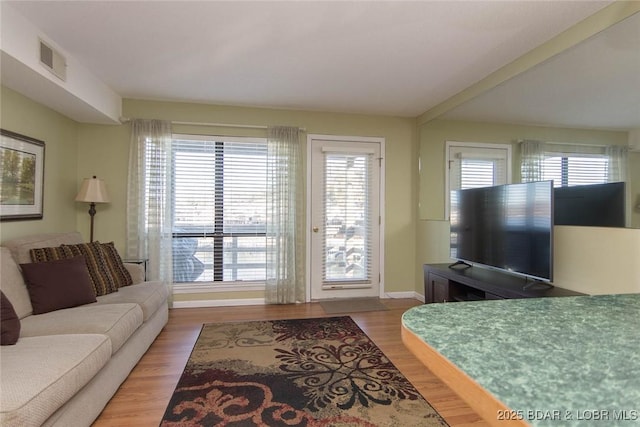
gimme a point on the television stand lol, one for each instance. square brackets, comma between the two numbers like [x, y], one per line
[444, 284]
[531, 284]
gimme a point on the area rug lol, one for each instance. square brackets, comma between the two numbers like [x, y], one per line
[352, 305]
[304, 372]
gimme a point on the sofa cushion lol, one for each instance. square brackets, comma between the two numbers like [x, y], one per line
[33, 390]
[58, 284]
[117, 321]
[101, 278]
[12, 284]
[148, 295]
[21, 246]
[120, 274]
[9, 322]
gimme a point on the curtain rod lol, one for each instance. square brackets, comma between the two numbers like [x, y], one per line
[520, 141]
[230, 125]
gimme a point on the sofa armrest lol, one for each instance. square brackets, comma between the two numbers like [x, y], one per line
[136, 270]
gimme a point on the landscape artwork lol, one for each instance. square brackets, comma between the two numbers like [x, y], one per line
[21, 176]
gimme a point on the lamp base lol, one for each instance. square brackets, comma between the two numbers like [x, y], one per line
[92, 213]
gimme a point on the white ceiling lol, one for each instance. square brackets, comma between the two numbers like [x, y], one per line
[395, 58]
[595, 84]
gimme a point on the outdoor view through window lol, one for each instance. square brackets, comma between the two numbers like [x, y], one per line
[219, 208]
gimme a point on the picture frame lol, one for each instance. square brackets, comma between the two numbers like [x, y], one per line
[21, 177]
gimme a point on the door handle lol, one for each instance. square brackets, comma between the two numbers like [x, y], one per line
[315, 229]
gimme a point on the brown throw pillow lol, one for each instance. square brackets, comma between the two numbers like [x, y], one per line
[101, 278]
[54, 285]
[119, 272]
[9, 322]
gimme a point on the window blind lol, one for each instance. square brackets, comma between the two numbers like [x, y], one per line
[478, 172]
[472, 167]
[569, 170]
[219, 202]
[347, 218]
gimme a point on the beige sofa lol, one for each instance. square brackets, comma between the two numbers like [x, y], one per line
[68, 363]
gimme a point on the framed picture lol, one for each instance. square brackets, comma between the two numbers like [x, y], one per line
[21, 176]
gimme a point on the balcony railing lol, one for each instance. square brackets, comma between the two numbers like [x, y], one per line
[224, 258]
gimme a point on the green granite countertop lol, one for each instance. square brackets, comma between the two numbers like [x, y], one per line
[553, 361]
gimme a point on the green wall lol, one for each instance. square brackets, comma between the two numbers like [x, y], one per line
[432, 227]
[75, 151]
[26, 117]
[103, 151]
[434, 135]
[415, 233]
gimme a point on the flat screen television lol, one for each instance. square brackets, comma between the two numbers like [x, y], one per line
[507, 227]
[601, 205]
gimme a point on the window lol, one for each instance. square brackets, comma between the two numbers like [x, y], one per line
[571, 164]
[479, 172]
[347, 217]
[219, 208]
[472, 165]
[568, 170]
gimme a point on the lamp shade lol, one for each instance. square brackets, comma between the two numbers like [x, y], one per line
[93, 190]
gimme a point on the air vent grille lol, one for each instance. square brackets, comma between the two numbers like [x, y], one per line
[53, 61]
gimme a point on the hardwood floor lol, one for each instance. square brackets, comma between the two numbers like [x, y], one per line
[143, 397]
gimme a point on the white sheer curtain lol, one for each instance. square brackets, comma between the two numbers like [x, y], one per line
[285, 210]
[617, 167]
[149, 215]
[533, 156]
[532, 160]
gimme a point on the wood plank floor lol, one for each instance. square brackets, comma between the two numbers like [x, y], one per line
[143, 397]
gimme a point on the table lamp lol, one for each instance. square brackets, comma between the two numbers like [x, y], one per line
[93, 190]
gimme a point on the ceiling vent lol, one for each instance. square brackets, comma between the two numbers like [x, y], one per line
[53, 61]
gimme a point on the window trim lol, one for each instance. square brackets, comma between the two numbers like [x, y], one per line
[471, 145]
[212, 287]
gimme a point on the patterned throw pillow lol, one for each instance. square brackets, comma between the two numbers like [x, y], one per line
[101, 278]
[46, 254]
[119, 272]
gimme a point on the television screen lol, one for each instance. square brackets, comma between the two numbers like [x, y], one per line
[509, 227]
[601, 205]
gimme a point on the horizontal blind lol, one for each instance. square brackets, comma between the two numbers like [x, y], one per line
[472, 167]
[478, 173]
[575, 169]
[194, 187]
[219, 199]
[245, 187]
[347, 218]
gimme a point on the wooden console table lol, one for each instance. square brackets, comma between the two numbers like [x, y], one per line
[536, 361]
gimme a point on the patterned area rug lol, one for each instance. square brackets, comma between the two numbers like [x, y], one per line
[305, 372]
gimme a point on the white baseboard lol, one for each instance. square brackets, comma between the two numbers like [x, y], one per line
[260, 301]
[400, 295]
[218, 303]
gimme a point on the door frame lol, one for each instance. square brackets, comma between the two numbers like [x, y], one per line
[346, 139]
